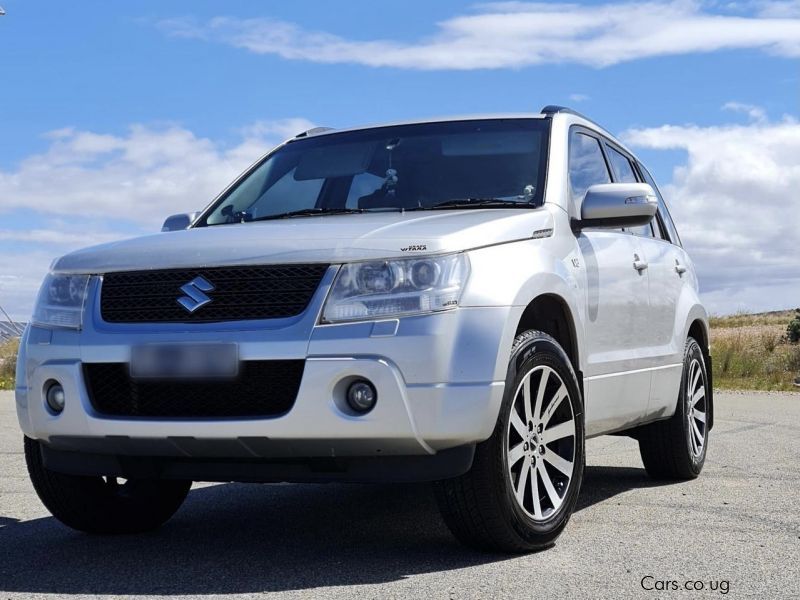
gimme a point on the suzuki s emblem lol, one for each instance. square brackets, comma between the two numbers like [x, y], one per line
[195, 293]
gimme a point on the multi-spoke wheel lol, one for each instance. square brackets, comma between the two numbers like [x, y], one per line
[541, 443]
[696, 409]
[676, 448]
[524, 482]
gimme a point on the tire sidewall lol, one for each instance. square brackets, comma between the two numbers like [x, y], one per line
[536, 351]
[692, 352]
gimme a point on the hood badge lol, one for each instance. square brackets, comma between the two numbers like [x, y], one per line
[195, 293]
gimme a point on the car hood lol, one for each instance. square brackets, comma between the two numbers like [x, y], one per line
[321, 238]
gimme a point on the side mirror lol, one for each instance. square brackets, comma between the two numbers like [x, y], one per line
[614, 205]
[179, 222]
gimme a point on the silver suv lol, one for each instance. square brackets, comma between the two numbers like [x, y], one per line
[460, 301]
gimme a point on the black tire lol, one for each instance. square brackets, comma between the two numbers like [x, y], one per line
[666, 446]
[480, 507]
[101, 505]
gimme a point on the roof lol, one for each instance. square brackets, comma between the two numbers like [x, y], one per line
[547, 112]
[317, 131]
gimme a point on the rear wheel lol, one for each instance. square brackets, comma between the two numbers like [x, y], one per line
[524, 482]
[676, 448]
[104, 504]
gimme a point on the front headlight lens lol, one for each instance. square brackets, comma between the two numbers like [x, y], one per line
[60, 301]
[396, 287]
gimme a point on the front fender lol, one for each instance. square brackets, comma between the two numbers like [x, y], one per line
[514, 275]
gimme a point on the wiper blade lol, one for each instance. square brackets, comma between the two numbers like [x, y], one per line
[305, 212]
[480, 203]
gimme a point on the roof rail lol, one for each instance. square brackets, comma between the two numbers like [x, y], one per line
[313, 131]
[552, 109]
[555, 108]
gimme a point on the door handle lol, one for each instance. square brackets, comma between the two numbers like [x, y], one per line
[639, 264]
[679, 268]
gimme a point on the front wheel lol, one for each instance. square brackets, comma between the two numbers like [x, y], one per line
[104, 504]
[524, 482]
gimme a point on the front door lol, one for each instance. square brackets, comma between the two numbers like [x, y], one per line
[616, 380]
[617, 326]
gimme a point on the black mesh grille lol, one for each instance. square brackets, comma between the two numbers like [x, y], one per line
[266, 388]
[240, 293]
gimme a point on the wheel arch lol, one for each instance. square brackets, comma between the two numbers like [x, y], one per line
[550, 313]
[699, 331]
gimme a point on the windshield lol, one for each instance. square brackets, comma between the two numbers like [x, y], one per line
[498, 162]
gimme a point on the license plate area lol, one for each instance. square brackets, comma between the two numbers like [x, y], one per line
[184, 361]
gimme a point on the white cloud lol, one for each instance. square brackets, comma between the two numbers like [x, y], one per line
[579, 97]
[736, 204]
[756, 113]
[140, 176]
[519, 34]
[88, 188]
[779, 9]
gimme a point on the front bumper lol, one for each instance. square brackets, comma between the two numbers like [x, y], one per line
[407, 419]
[439, 377]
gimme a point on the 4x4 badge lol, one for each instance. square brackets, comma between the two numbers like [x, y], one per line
[195, 293]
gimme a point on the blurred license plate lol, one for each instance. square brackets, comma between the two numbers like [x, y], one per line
[184, 361]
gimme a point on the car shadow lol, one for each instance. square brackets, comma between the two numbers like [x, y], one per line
[237, 538]
[603, 483]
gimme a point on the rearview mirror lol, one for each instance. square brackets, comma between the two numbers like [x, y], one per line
[179, 222]
[614, 205]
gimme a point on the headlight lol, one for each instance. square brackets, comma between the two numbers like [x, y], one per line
[60, 301]
[396, 287]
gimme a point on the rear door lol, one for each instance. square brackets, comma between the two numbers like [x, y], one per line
[668, 277]
[617, 303]
[660, 352]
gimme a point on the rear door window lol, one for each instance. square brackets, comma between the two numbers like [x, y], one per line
[623, 170]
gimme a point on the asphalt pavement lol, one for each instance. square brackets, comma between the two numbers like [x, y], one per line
[736, 529]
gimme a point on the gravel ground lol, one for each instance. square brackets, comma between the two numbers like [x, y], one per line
[737, 526]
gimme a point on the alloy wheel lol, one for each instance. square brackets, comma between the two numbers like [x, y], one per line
[696, 408]
[540, 443]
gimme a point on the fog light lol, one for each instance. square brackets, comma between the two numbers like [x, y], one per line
[55, 397]
[361, 396]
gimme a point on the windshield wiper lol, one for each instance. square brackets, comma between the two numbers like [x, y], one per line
[305, 212]
[480, 203]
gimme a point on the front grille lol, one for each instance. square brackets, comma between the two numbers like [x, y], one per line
[238, 294]
[263, 388]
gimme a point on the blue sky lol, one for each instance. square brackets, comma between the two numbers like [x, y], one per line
[98, 98]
